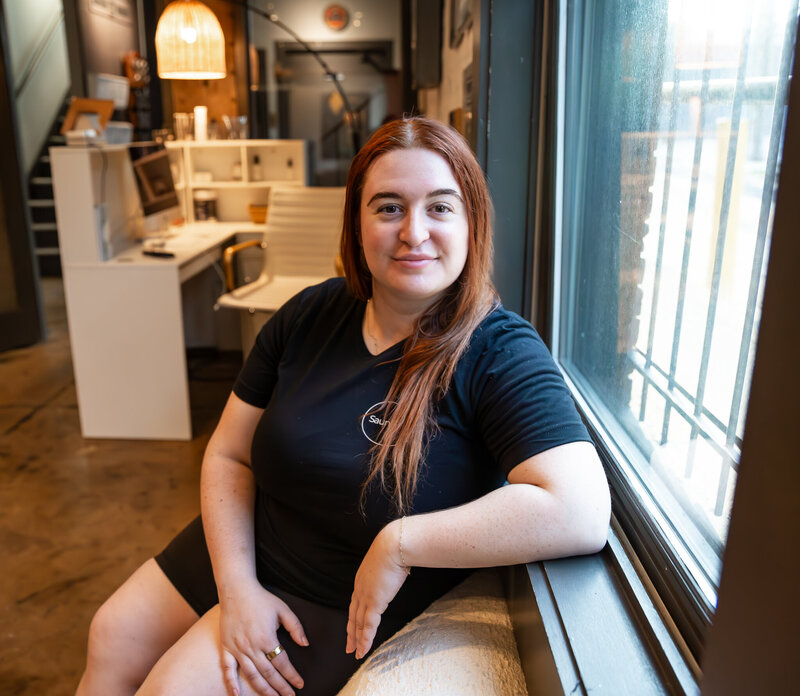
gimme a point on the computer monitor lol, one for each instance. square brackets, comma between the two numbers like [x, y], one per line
[160, 203]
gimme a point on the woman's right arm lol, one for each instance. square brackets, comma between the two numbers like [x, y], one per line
[249, 615]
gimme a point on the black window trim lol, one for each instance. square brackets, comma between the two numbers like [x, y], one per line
[594, 623]
[687, 604]
[553, 657]
[644, 524]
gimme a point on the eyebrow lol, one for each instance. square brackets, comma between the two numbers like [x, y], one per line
[432, 194]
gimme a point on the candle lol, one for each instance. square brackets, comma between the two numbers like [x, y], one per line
[201, 123]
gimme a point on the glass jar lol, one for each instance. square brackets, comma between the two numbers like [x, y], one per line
[205, 205]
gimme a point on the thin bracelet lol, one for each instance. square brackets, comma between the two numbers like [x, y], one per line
[400, 547]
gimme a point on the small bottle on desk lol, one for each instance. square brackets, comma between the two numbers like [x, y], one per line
[257, 171]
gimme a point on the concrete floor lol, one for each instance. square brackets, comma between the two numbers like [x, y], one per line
[77, 516]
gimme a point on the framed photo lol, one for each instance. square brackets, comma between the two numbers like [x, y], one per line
[87, 113]
[460, 19]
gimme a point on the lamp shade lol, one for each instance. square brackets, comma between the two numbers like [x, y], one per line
[189, 42]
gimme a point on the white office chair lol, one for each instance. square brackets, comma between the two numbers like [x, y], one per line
[301, 245]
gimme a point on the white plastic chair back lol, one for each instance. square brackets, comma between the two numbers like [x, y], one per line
[302, 240]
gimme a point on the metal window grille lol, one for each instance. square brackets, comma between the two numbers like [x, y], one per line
[688, 402]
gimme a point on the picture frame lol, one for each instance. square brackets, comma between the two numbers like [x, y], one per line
[460, 20]
[97, 111]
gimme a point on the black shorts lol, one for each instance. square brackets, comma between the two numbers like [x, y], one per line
[185, 561]
[324, 665]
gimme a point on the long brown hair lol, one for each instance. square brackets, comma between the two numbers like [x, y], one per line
[442, 334]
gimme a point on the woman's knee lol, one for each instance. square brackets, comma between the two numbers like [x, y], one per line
[111, 630]
[136, 625]
[109, 667]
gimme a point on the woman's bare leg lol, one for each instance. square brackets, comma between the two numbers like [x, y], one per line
[192, 665]
[132, 630]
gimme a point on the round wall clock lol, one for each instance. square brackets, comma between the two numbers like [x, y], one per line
[335, 17]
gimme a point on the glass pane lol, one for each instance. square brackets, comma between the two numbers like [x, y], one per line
[674, 114]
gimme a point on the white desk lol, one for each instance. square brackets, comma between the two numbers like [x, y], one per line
[126, 324]
[127, 314]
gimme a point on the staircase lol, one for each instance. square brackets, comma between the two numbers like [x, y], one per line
[42, 205]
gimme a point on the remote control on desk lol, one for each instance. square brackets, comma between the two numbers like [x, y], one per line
[160, 254]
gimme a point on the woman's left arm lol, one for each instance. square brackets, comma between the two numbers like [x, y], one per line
[557, 504]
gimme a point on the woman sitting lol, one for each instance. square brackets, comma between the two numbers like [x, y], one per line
[369, 433]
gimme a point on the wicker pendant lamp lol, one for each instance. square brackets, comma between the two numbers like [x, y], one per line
[189, 42]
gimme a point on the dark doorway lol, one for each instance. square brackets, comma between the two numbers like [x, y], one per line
[311, 108]
[20, 312]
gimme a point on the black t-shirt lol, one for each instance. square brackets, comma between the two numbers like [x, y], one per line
[323, 392]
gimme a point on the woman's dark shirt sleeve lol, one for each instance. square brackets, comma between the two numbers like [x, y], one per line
[259, 374]
[522, 404]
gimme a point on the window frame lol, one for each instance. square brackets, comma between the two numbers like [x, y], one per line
[669, 582]
[549, 613]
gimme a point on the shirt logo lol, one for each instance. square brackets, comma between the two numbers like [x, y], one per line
[372, 422]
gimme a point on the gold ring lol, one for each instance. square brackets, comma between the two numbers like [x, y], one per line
[272, 654]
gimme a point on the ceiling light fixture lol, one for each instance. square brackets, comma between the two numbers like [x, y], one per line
[190, 44]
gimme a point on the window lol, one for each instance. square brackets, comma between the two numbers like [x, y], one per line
[671, 117]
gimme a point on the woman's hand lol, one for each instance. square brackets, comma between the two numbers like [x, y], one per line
[249, 620]
[379, 578]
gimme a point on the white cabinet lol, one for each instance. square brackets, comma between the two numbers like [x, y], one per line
[238, 172]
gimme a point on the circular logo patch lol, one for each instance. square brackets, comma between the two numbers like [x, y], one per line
[373, 420]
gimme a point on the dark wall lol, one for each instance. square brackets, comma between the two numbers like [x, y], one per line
[107, 30]
[21, 319]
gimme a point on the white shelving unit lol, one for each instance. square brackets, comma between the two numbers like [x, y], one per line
[230, 168]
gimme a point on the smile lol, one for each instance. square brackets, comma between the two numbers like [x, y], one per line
[414, 260]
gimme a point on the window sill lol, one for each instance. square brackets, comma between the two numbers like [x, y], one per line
[588, 625]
